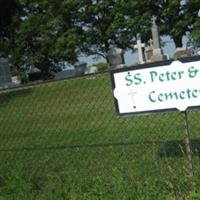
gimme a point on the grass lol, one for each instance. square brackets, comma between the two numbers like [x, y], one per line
[63, 140]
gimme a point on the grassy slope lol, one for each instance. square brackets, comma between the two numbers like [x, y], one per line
[53, 142]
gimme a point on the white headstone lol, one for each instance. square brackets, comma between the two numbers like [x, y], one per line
[140, 47]
[91, 70]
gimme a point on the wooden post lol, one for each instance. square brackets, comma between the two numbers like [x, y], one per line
[187, 144]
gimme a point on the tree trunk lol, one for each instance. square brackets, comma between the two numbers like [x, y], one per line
[107, 48]
[178, 41]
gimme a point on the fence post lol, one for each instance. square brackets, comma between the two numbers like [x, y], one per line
[187, 144]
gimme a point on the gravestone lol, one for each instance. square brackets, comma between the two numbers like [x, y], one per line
[115, 57]
[16, 80]
[149, 51]
[182, 52]
[65, 74]
[80, 68]
[91, 70]
[139, 45]
[157, 51]
[66, 70]
[5, 75]
[34, 73]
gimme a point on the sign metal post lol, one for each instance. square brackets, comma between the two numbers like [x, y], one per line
[187, 143]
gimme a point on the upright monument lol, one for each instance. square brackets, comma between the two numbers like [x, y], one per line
[157, 51]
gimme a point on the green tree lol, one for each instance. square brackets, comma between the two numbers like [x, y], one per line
[105, 22]
[116, 22]
[8, 9]
[177, 18]
[44, 32]
[195, 35]
[48, 33]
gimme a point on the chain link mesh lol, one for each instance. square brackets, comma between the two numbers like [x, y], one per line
[64, 140]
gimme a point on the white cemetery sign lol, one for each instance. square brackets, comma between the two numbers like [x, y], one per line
[157, 87]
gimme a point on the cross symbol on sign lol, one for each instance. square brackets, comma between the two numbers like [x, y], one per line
[132, 95]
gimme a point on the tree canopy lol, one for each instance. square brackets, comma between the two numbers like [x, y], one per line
[45, 32]
[8, 9]
[177, 18]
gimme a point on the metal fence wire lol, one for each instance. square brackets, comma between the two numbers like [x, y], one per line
[64, 140]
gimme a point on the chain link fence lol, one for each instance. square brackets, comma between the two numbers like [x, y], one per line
[64, 140]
